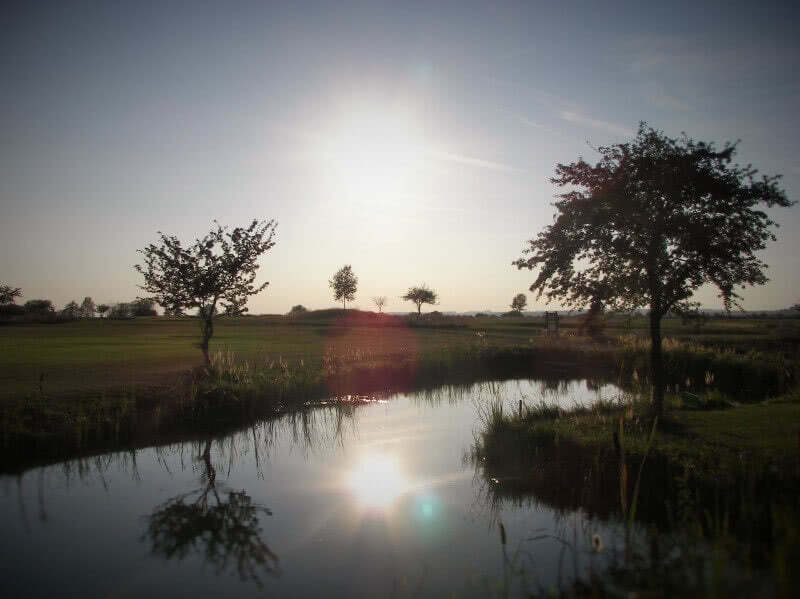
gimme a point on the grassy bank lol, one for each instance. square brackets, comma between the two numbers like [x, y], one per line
[95, 385]
[707, 499]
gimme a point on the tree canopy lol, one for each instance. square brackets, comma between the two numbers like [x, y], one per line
[213, 273]
[344, 284]
[8, 294]
[650, 223]
[421, 295]
[519, 302]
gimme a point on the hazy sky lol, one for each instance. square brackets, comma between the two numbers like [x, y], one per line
[411, 140]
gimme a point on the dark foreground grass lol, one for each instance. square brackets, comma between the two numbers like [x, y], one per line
[707, 499]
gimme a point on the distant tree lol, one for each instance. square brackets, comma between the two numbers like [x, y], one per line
[144, 306]
[9, 295]
[648, 225]
[344, 284]
[102, 309]
[796, 307]
[518, 303]
[298, 309]
[380, 301]
[72, 310]
[88, 308]
[121, 311]
[217, 270]
[421, 295]
[39, 306]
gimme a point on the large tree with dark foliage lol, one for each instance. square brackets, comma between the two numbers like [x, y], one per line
[214, 273]
[649, 224]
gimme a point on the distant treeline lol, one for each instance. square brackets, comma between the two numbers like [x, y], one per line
[43, 310]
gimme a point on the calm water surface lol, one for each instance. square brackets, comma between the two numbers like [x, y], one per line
[367, 500]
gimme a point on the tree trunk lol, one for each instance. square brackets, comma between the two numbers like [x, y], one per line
[208, 331]
[419, 309]
[656, 364]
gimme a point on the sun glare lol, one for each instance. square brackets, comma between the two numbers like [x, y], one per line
[377, 481]
[373, 154]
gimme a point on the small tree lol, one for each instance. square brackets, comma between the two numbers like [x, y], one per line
[518, 303]
[648, 225]
[88, 308]
[344, 284]
[421, 295]
[102, 309]
[217, 270]
[9, 295]
[380, 301]
[297, 310]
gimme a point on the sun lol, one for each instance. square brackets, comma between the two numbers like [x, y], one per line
[373, 154]
[377, 481]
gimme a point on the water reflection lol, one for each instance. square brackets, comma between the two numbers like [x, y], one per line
[221, 526]
[377, 480]
[369, 498]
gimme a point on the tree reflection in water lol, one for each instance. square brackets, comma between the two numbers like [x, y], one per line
[221, 525]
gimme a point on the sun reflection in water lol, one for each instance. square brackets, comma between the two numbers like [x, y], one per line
[377, 481]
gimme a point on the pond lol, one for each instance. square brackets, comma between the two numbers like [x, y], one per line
[368, 497]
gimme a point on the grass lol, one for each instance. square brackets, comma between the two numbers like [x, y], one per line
[712, 496]
[92, 383]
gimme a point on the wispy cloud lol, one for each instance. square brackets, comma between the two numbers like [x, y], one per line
[535, 125]
[582, 119]
[469, 160]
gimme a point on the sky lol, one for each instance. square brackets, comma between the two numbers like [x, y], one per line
[412, 140]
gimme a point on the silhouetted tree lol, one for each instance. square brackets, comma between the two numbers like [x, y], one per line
[649, 224]
[344, 284]
[298, 309]
[217, 270]
[39, 306]
[88, 308]
[8, 295]
[71, 310]
[518, 303]
[421, 295]
[221, 525]
[380, 301]
[796, 307]
[103, 308]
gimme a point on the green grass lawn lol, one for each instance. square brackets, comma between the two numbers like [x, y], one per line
[108, 354]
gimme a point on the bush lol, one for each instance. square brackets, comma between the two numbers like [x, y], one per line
[298, 309]
[11, 310]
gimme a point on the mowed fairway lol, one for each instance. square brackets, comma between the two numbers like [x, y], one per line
[113, 354]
